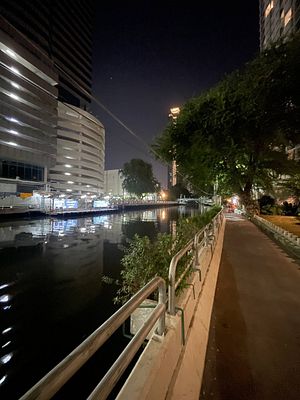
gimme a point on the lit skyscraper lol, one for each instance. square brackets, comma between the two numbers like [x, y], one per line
[278, 18]
[59, 32]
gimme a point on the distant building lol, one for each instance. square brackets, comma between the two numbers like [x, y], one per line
[113, 182]
[172, 169]
[278, 18]
[28, 114]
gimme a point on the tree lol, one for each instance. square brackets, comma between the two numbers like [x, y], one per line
[237, 132]
[138, 177]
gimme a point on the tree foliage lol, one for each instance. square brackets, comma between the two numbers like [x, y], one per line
[237, 132]
[138, 177]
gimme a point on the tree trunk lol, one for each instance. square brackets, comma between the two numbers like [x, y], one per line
[250, 204]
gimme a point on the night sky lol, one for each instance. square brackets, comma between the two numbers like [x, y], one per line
[150, 56]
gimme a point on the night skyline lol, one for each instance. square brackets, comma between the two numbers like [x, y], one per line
[148, 59]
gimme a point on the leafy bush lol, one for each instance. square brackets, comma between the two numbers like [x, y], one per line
[144, 259]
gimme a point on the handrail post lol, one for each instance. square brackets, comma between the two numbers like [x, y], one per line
[171, 286]
[196, 250]
[162, 298]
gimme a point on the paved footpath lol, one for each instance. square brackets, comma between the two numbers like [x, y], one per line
[254, 342]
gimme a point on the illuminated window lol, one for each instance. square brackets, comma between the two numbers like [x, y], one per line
[287, 17]
[270, 6]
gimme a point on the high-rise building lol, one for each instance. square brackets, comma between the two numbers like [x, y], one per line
[28, 113]
[61, 32]
[278, 18]
[172, 169]
[63, 29]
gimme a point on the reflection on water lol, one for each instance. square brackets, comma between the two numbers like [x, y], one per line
[51, 293]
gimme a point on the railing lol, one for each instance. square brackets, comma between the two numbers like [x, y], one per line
[59, 375]
[204, 237]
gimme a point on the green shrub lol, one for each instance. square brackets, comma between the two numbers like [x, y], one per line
[144, 259]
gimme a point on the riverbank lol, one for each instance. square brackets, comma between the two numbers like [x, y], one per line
[10, 213]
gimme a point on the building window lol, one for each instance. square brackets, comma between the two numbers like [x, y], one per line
[269, 7]
[18, 170]
[287, 17]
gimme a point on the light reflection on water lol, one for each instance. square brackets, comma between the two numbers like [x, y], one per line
[51, 292]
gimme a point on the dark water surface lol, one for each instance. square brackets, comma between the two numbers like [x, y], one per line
[52, 296]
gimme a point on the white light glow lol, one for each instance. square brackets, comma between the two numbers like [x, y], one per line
[62, 195]
[5, 359]
[5, 298]
[5, 285]
[10, 53]
[13, 132]
[7, 330]
[71, 182]
[68, 166]
[88, 185]
[6, 344]
[12, 144]
[15, 85]
[11, 119]
[14, 70]
[14, 96]
[69, 190]
[69, 158]
[83, 196]
[67, 173]
[3, 379]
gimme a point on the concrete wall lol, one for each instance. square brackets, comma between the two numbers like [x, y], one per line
[167, 369]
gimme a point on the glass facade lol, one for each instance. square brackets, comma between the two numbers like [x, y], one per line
[26, 172]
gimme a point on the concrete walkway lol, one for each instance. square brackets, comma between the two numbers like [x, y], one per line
[254, 342]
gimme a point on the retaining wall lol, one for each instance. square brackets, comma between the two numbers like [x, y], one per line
[171, 367]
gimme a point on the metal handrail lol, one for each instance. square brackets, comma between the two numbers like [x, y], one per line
[172, 275]
[59, 375]
[194, 245]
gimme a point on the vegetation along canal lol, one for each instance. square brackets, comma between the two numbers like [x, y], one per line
[52, 295]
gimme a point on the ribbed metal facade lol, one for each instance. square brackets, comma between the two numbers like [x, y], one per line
[28, 108]
[278, 18]
[80, 152]
[63, 29]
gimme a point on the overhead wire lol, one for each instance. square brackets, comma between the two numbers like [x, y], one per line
[106, 109]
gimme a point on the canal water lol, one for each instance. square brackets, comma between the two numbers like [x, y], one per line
[52, 295]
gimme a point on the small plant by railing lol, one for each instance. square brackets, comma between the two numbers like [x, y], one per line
[145, 259]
